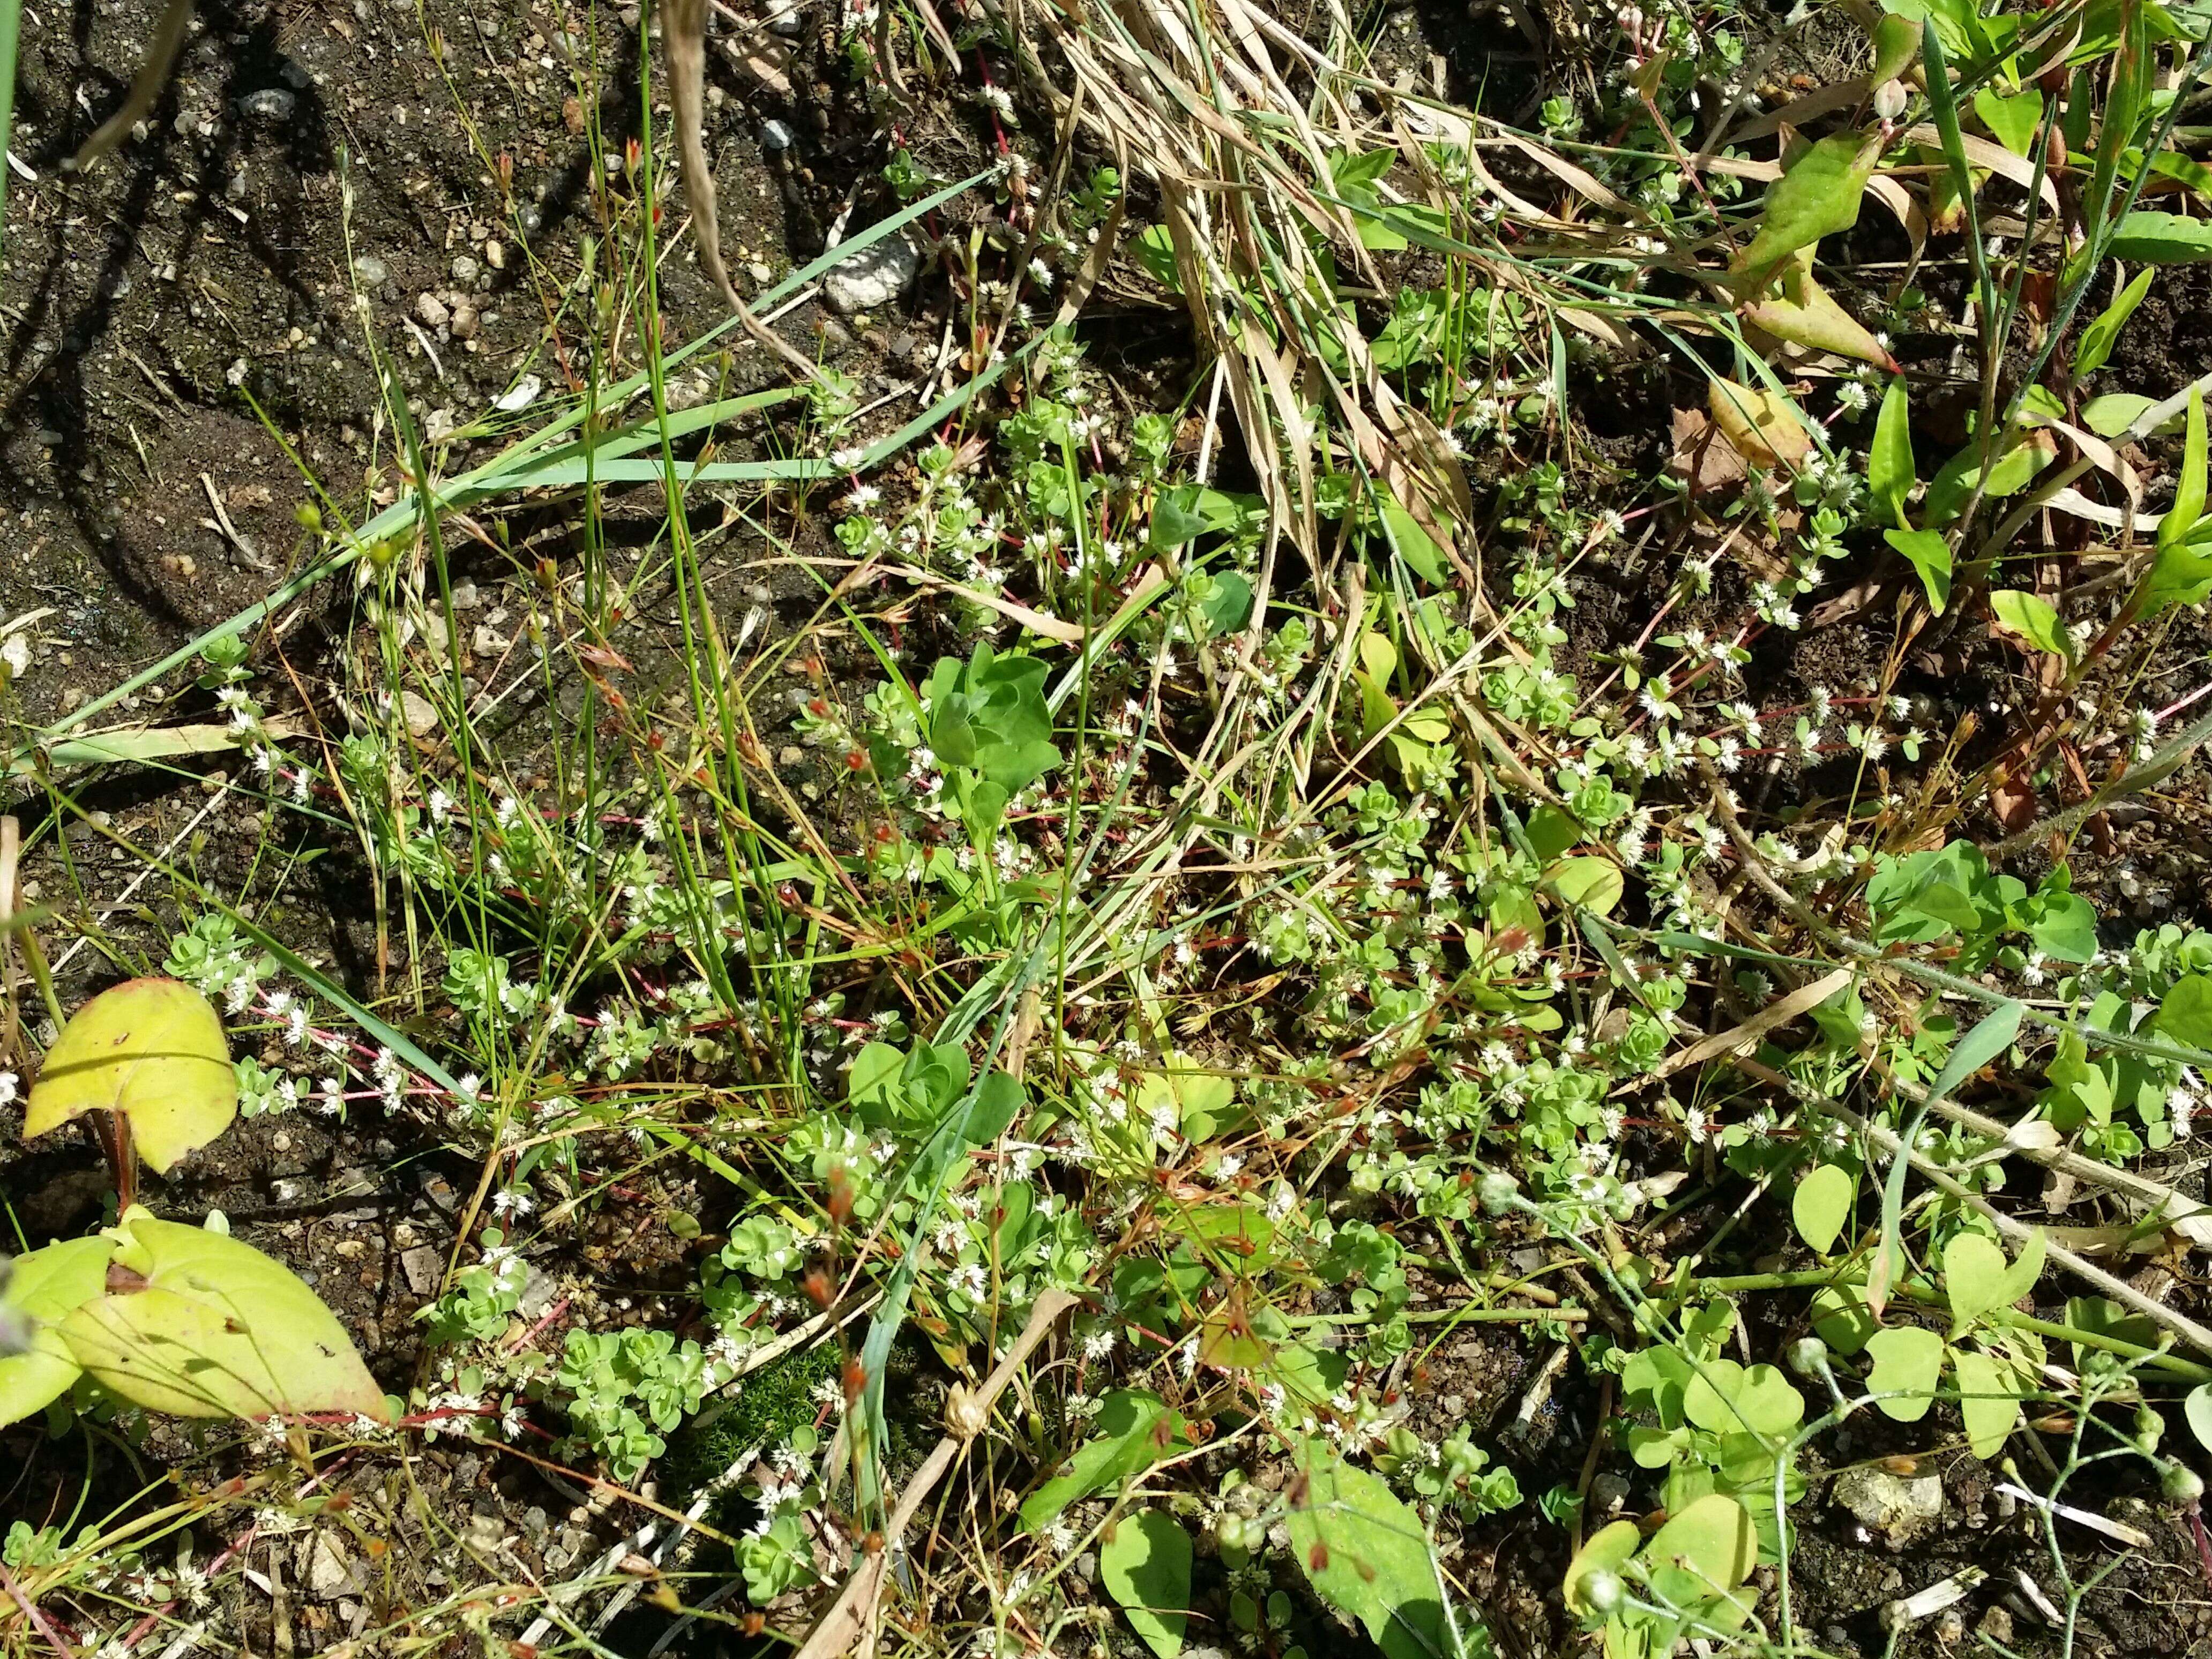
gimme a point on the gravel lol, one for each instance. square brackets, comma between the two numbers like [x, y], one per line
[873, 278]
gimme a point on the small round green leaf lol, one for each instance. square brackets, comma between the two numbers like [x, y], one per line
[1145, 1564]
[1821, 1204]
[1908, 1360]
[152, 1050]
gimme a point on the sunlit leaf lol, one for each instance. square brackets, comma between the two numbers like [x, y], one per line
[45, 1287]
[218, 1329]
[1890, 470]
[2161, 239]
[1819, 196]
[1764, 426]
[2101, 335]
[1930, 554]
[2031, 619]
[1989, 1400]
[1821, 1204]
[1144, 1564]
[1367, 1554]
[1135, 1429]
[1908, 1361]
[152, 1050]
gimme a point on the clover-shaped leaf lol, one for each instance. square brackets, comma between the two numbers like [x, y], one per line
[151, 1049]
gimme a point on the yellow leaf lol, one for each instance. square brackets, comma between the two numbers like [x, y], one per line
[1763, 426]
[218, 1329]
[152, 1050]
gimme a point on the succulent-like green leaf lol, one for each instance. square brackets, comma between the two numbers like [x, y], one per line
[152, 1050]
[210, 1327]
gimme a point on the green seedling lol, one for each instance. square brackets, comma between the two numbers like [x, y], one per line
[181, 1319]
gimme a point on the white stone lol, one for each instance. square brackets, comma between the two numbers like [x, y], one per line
[874, 277]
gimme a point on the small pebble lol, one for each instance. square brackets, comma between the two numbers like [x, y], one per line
[272, 104]
[430, 310]
[465, 269]
[371, 270]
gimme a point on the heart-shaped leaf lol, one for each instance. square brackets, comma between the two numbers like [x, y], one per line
[1908, 1360]
[152, 1050]
[1145, 1564]
[209, 1327]
[1989, 1399]
[45, 1287]
[1821, 1204]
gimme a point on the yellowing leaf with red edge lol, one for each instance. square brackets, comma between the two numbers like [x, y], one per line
[152, 1050]
[1804, 313]
[196, 1324]
[1763, 426]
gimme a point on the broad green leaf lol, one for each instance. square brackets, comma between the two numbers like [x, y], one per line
[1728, 1398]
[1817, 195]
[1973, 1280]
[1143, 1563]
[1415, 546]
[2180, 575]
[45, 1287]
[1908, 1361]
[1890, 473]
[1590, 883]
[998, 1100]
[218, 1330]
[1367, 1554]
[2026, 1268]
[2009, 474]
[1135, 1430]
[1806, 314]
[1896, 44]
[1229, 605]
[1609, 1550]
[1957, 23]
[2011, 121]
[2067, 929]
[1989, 1399]
[2099, 337]
[1841, 1317]
[2111, 414]
[2186, 1013]
[2029, 617]
[1705, 1551]
[1821, 1204]
[1551, 832]
[1931, 554]
[152, 1050]
[2161, 239]
[2198, 1411]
